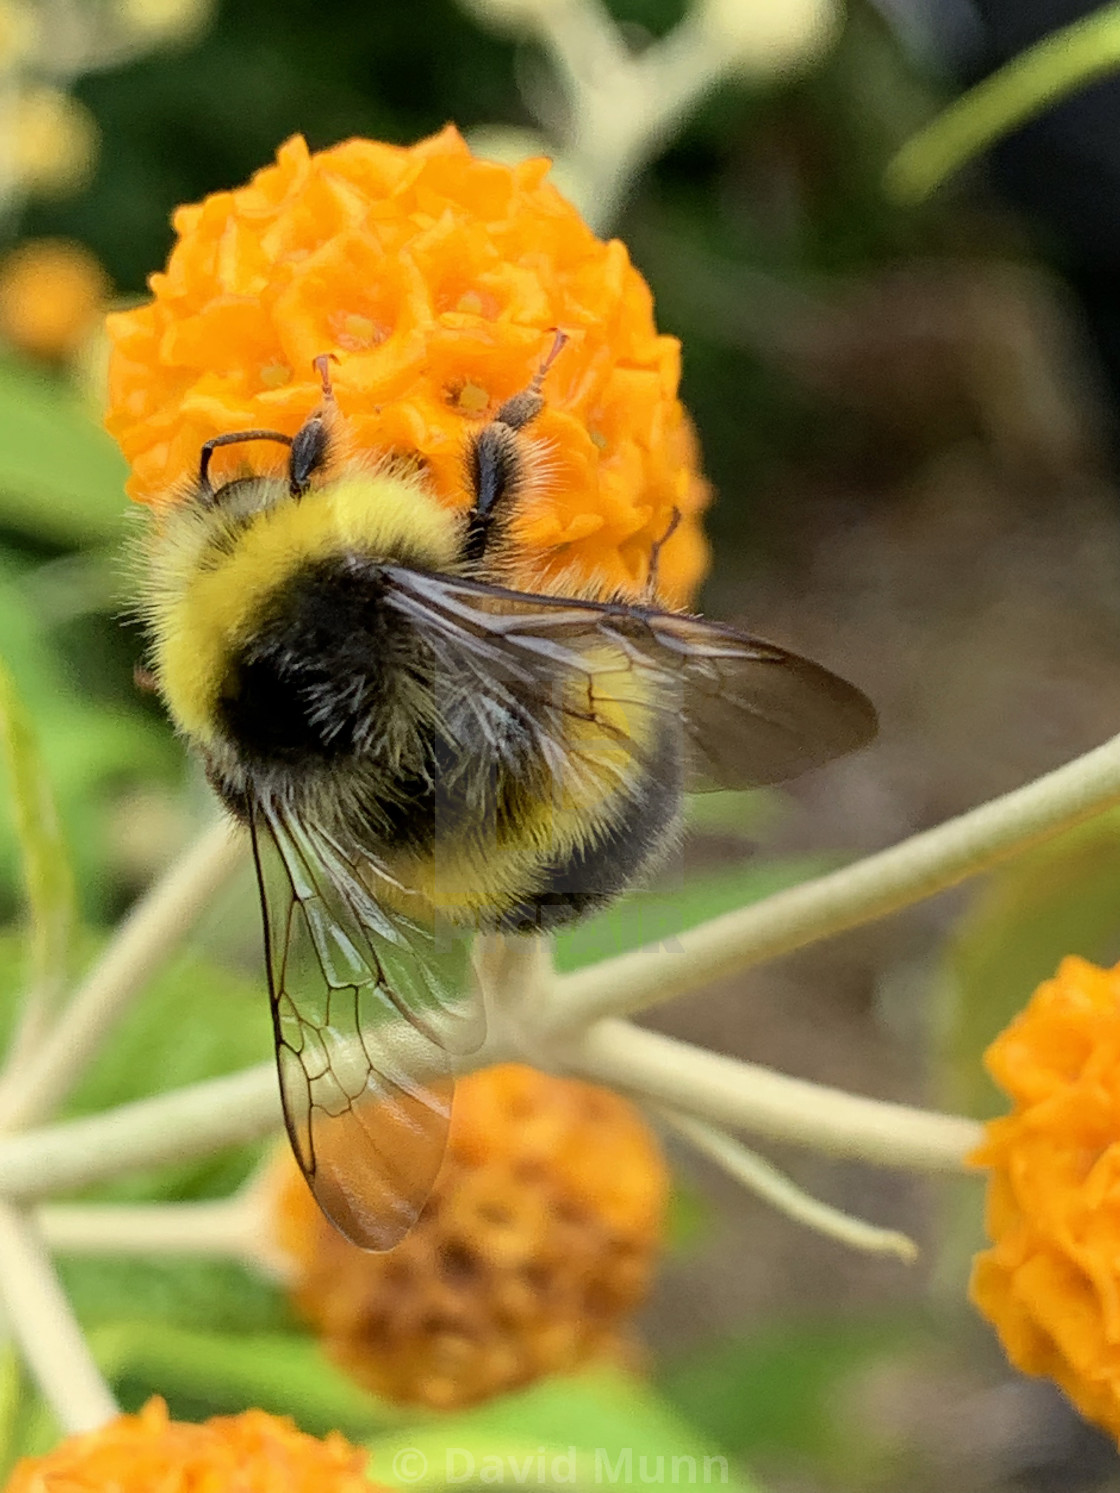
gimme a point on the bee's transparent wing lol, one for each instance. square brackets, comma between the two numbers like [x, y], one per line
[368, 1010]
[752, 713]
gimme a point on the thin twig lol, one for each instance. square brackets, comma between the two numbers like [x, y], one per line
[622, 107]
[730, 1092]
[139, 947]
[774, 1187]
[227, 1227]
[44, 1325]
[204, 1117]
[1066, 61]
[178, 1126]
[237, 1228]
[871, 888]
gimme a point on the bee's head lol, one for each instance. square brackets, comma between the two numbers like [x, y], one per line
[308, 450]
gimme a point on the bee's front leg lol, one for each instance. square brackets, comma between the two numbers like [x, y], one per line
[496, 459]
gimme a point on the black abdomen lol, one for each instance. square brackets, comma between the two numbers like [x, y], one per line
[625, 845]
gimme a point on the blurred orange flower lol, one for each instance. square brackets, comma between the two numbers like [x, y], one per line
[539, 1240]
[52, 292]
[249, 1453]
[436, 279]
[1051, 1281]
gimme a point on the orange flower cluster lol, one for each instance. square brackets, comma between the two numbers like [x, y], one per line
[437, 280]
[249, 1453]
[52, 293]
[1051, 1281]
[540, 1237]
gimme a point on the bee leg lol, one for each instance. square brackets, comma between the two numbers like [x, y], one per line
[650, 597]
[495, 459]
[312, 439]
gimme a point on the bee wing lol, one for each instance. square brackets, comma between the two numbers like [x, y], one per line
[368, 1008]
[752, 712]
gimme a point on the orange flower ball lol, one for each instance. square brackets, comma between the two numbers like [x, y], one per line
[539, 1240]
[437, 281]
[249, 1453]
[1051, 1281]
[51, 295]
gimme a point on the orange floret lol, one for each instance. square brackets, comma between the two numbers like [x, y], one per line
[437, 280]
[52, 293]
[1051, 1281]
[538, 1242]
[150, 1453]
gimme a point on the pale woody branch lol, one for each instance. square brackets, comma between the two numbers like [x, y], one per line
[200, 1119]
[743, 1096]
[205, 1117]
[241, 1228]
[177, 1126]
[775, 1188]
[871, 888]
[44, 1325]
[619, 106]
[237, 1228]
[140, 946]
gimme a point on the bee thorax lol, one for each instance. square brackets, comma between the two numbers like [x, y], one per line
[328, 673]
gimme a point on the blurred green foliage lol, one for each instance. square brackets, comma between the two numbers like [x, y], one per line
[783, 1393]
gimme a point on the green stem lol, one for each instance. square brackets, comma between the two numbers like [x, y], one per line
[1064, 62]
[47, 876]
[775, 1188]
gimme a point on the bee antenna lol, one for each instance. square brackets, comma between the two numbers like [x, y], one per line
[234, 438]
[655, 556]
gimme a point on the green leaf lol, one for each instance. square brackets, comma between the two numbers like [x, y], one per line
[63, 477]
[780, 1392]
[1061, 898]
[746, 815]
[11, 1402]
[596, 1429]
[89, 749]
[659, 914]
[47, 878]
[196, 1020]
[283, 1373]
[37, 1430]
[689, 1219]
[205, 1295]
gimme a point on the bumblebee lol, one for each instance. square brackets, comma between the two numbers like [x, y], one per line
[421, 752]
